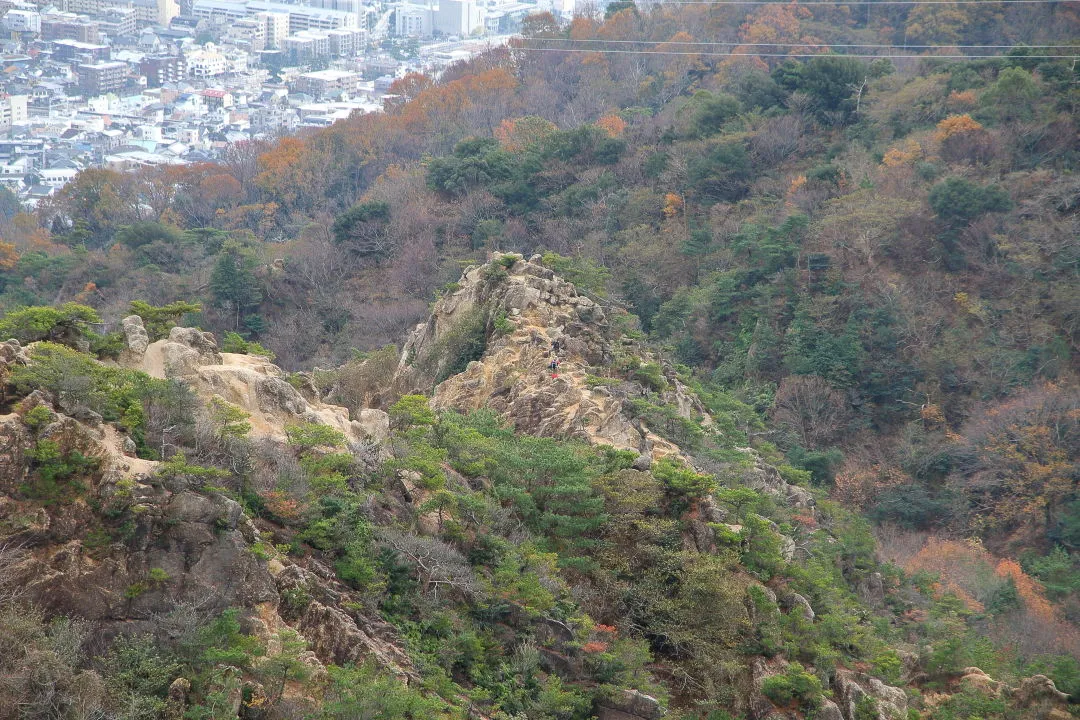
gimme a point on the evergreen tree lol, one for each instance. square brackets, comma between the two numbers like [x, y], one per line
[233, 283]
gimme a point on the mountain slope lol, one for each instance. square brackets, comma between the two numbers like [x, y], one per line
[549, 567]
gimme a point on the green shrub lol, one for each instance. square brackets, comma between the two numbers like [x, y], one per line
[681, 480]
[958, 201]
[651, 376]
[118, 394]
[66, 324]
[888, 665]
[588, 276]
[56, 475]
[234, 343]
[307, 436]
[793, 685]
[38, 417]
[462, 344]
[160, 319]
[157, 576]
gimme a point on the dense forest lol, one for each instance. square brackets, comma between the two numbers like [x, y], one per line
[866, 269]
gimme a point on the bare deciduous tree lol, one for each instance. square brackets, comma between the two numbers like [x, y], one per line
[812, 409]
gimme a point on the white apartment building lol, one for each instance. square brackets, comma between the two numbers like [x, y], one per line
[149, 12]
[13, 111]
[301, 17]
[277, 28]
[412, 20]
[458, 17]
[248, 33]
[206, 62]
[22, 21]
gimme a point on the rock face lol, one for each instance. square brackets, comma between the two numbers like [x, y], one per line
[630, 705]
[1038, 690]
[135, 334]
[851, 688]
[179, 546]
[797, 603]
[541, 317]
[249, 381]
[766, 479]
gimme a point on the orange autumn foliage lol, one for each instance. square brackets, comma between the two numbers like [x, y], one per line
[969, 571]
[955, 125]
[518, 133]
[612, 124]
[904, 155]
[8, 255]
[962, 99]
[1029, 590]
[961, 566]
[88, 290]
[673, 205]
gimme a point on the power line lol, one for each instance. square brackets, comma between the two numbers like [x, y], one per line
[790, 55]
[804, 44]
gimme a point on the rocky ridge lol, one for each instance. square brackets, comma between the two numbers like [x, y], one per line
[539, 316]
[177, 550]
[202, 544]
[251, 382]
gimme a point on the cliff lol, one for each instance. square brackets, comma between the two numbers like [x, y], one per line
[527, 316]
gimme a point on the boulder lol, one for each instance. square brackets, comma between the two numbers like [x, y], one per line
[629, 705]
[135, 334]
[766, 479]
[373, 425]
[797, 603]
[335, 638]
[852, 687]
[829, 711]
[978, 680]
[176, 701]
[12, 353]
[201, 342]
[1037, 689]
[179, 361]
[15, 443]
[787, 548]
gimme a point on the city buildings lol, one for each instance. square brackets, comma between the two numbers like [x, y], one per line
[131, 84]
[102, 77]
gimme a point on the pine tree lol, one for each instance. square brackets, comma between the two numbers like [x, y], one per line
[233, 283]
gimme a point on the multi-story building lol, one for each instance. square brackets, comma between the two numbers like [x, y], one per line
[103, 77]
[148, 12]
[355, 7]
[301, 17]
[117, 21]
[412, 20]
[155, 12]
[16, 20]
[277, 28]
[248, 33]
[13, 111]
[162, 69]
[68, 26]
[307, 45]
[77, 51]
[206, 62]
[347, 42]
[328, 83]
[33, 150]
[458, 17]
